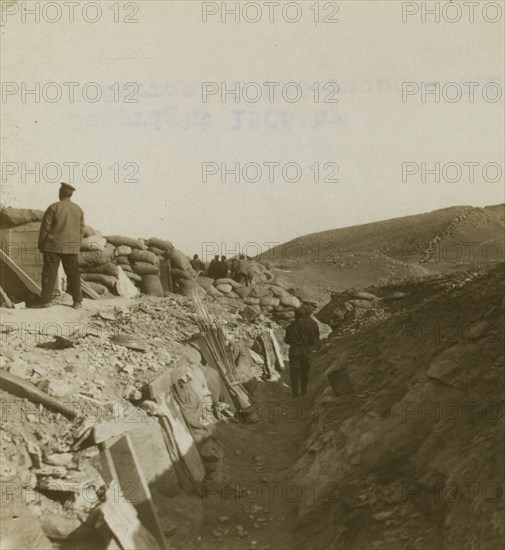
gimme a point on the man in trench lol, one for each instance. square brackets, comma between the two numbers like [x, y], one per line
[60, 239]
[301, 336]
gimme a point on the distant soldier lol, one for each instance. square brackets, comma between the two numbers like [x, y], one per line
[301, 336]
[197, 264]
[243, 271]
[60, 239]
[223, 268]
[213, 271]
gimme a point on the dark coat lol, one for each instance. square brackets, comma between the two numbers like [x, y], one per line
[301, 335]
[62, 228]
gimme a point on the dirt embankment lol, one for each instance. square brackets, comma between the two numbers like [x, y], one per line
[413, 458]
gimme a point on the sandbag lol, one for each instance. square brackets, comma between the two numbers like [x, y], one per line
[119, 240]
[106, 269]
[189, 287]
[233, 294]
[95, 242]
[151, 285]
[12, 217]
[228, 281]
[88, 231]
[98, 288]
[225, 289]
[243, 291]
[122, 260]
[205, 282]
[107, 280]
[166, 246]
[179, 260]
[89, 258]
[267, 309]
[269, 301]
[144, 256]
[259, 292]
[123, 250]
[290, 300]
[251, 301]
[285, 315]
[133, 277]
[144, 268]
[156, 251]
[278, 291]
[207, 285]
[126, 267]
[180, 274]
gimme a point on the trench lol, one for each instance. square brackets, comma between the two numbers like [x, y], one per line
[252, 502]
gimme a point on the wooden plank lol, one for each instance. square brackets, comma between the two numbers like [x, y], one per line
[266, 355]
[125, 525]
[5, 299]
[131, 478]
[22, 388]
[108, 430]
[20, 243]
[277, 350]
[28, 282]
[183, 476]
[189, 456]
[88, 291]
[157, 386]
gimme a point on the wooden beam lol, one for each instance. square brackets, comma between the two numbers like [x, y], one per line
[5, 299]
[88, 291]
[29, 283]
[134, 486]
[22, 388]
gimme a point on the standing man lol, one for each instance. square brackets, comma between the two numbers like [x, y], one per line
[243, 271]
[60, 238]
[301, 335]
[213, 270]
[197, 264]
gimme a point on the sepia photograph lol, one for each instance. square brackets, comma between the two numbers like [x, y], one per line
[252, 267]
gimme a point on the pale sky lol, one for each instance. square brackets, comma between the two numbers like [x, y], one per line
[170, 131]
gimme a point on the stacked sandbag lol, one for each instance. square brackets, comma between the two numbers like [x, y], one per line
[270, 299]
[96, 262]
[159, 246]
[12, 217]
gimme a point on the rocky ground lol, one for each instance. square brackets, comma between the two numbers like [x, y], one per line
[409, 459]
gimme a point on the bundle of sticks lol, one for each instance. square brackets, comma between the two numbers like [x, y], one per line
[215, 339]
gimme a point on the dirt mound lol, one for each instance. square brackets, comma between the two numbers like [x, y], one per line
[409, 459]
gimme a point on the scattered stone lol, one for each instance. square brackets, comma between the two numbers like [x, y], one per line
[381, 516]
[223, 519]
[59, 459]
[56, 388]
[238, 452]
[58, 527]
[132, 394]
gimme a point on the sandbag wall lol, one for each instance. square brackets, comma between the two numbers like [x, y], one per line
[263, 297]
[101, 257]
